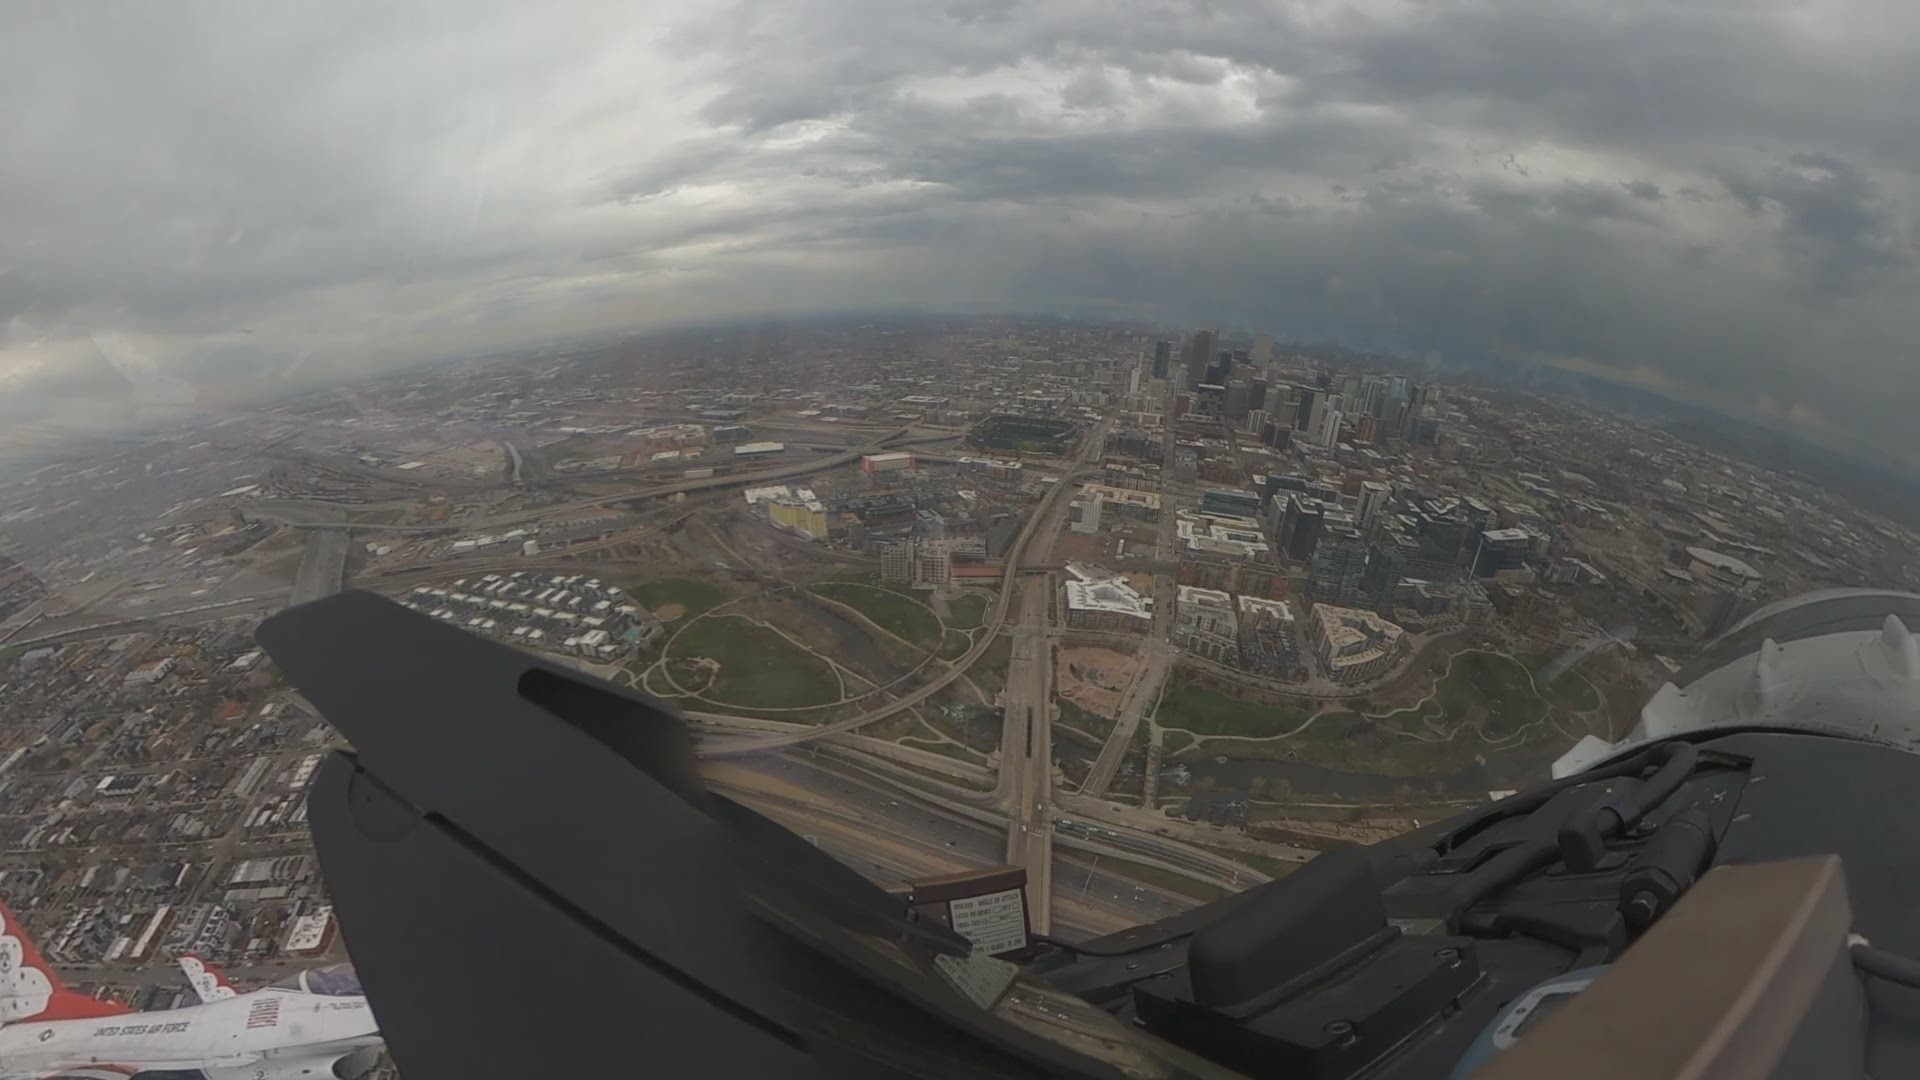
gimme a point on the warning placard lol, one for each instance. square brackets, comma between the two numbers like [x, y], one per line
[982, 978]
[995, 922]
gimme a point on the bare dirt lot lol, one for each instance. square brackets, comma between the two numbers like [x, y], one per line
[1094, 679]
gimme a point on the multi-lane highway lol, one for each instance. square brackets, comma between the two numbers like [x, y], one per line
[890, 835]
[656, 491]
[1026, 751]
[323, 566]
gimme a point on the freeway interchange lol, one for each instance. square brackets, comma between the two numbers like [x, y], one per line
[1018, 823]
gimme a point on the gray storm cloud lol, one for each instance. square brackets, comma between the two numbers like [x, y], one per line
[1724, 195]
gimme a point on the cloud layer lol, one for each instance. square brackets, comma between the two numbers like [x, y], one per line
[1723, 195]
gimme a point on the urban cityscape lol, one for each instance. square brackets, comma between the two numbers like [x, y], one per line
[1150, 614]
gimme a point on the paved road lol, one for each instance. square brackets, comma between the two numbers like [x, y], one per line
[727, 480]
[1140, 696]
[1026, 751]
[1144, 692]
[1101, 899]
[323, 566]
[995, 620]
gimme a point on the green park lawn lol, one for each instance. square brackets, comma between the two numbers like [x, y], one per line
[900, 615]
[1208, 712]
[695, 596]
[1565, 689]
[759, 669]
[954, 645]
[1492, 686]
[968, 611]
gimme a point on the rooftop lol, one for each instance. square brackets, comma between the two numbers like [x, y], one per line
[1353, 636]
[1112, 595]
[1213, 598]
[1260, 606]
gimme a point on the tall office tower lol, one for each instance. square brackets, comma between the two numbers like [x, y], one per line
[1329, 433]
[1373, 394]
[1200, 349]
[1300, 526]
[1373, 499]
[1322, 405]
[1279, 400]
[1308, 397]
[1162, 359]
[1236, 399]
[1389, 429]
[1334, 573]
[1386, 566]
[1416, 405]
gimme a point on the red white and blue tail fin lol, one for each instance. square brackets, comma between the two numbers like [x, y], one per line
[205, 979]
[29, 987]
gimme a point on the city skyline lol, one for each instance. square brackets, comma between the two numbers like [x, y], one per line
[1589, 188]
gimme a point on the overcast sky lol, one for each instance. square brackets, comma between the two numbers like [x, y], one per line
[1718, 198]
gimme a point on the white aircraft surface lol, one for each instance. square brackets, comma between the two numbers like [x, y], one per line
[314, 1025]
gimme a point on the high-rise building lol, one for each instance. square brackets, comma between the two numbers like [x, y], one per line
[933, 564]
[1267, 645]
[1500, 549]
[896, 562]
[1478, 515]
[1210, 401]
[1162, 358]
[1389, 428]
[1262, 348]
[1300, 526]
[1236, 399]
[1279, 400]
[1328, 433]
[1133, 379]
[1386, 565]
[1338, 564]
[1373, 499]
[1473, 605]
[1373, 394]
[1354, 646]
[1200, 349]
[1083, 514]
[1204, 624]
[1306, 398]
